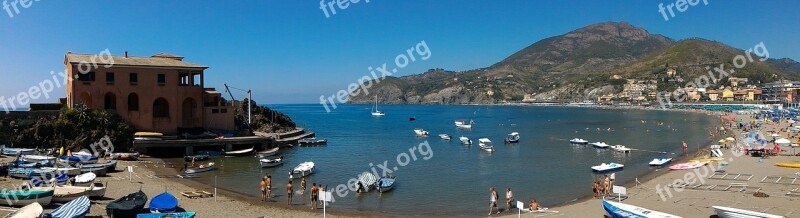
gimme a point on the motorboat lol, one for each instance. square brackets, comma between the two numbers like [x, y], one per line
[385, 184]
[375, 112]
[78, 207]
[125, 156]
[41, 195]
[312, 141]
[621, 210]
[485, 144]
[271, 162]
[578, 141]
[729, 212]
[621, 148]
[16, 151]
[512, 138]
[268, 152]
[243, 152]
[602, 168]
[32, 210]
[445, 137]
[421, 132]
[687, 165]
[464, 124]
[465, 140]
[600, 145]
[163, 203]
[127, 206]
[200, 169]
[302, 170]
[85, 179]
[660, 161]
[366, 181]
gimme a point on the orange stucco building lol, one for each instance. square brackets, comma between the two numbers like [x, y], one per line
[160, 93]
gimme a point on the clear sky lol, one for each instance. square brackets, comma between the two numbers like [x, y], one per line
[287, 51]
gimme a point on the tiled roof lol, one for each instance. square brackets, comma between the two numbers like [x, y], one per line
[160, 60]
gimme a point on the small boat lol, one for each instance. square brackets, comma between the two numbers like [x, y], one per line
[465, 140]
[17, 151]
[127, 206]
[485, 144]
[83, 159]
[385, 184]
[271, 162]
[687, 165]
[148, 136]
[789, 165]
[85, 179]
[421, 132]
[620, 210]
[60, 179]
[729, 212]
[196, 158]
[97, 170]
[716, 159]
[621, 148]
[600, 145]
[512, 138]
[110, 166]
[375, 111]
[578, 141]
[98, 190]
[464, 124]
[242, 152]
[73, 209]
[125, 156]
[167, 215]
[303, 169]
[23, 164]
[27, 173]
[32, 210]
[602, 168]
[37, 159]
[163, 203]
[65, 193]
[312, 141]
[412, 118]
[69, 171]
[41, 195]
[445, 137]
[660, 161]
[200, 169]
[267, 153]
[366, 181]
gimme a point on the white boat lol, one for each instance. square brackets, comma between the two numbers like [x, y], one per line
[37, 159]
[600, 145]
[445, 137]
[464, 124]
[267, 153]
[660, 161]
[32, 210]
[465, 140]
[621, 148]
[578, 141]
[66, 193]
[620, 210]
[200, 169]
[98, 190]
[421, 132]
[375, 111]
[20, 197]
[239, 152]
[85, 179]
[271, 162]
[728, 212]
[385, 184]
[607, 167]
[485, 144]
[303, 170]
[512, 138]
[366, 181]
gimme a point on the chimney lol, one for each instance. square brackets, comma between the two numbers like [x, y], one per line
[126, 54]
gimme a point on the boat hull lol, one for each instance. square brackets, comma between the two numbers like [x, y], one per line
[20, 199]
[620, 210]
[267, 153]
[728, 212]
[273, 163]
[165, 215]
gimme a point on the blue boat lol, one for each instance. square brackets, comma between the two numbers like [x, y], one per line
[163, 202]
[84, 159]
[27, 173]
[165, 215]
[16, 151]
[23, 164]
[110, 166]
[73, 209]
[60, 179]
[620, 210]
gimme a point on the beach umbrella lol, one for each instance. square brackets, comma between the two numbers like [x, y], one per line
[783, 141]
[775, 135]
[730, 139]
[722, 141]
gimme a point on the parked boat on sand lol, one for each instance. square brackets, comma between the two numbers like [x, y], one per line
[729, 212]
[127, 206]
[620, 210]
[163, 202]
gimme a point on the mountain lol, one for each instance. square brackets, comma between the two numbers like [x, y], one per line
[576, 65]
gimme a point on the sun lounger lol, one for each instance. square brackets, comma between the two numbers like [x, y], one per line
[197, 194]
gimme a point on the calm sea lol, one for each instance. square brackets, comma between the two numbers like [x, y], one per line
[455, 179]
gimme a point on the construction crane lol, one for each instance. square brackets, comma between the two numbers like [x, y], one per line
[249, 106]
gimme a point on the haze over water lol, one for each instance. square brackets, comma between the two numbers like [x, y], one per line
[455, 180]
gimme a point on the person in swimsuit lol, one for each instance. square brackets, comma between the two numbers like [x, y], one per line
[314, 193]
[493, 201]
[534, 205]
[509, 199]
[303, 185]
[269, 186]
[263, 187]
[289, 191]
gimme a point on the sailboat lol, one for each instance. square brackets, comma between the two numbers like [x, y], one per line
[375, 111]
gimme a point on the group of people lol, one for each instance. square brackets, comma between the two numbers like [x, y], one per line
[494, 197]
[603, 186]
[266, 191]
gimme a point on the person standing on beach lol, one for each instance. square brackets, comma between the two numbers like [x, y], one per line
[303, 185]
[509, 199]
[269, 186]
[263, 187]
[684, 147]
[607, 185]
[289, 191]
[493, 201]
[314, 193]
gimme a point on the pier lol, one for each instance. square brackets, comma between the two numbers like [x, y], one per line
[260, 141]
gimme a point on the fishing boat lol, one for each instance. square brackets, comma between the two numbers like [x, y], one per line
[110, 166]
[660, 161]
[60, 179]
[620, 210]
[789, 165]
[195, 158]
[31, 211]
[312, 141]
[148, 136]
[512, 138]
[303, 170]
[98, 190]
[65, 193]
[125, 156]
[445, 137]
[200, 169]
[485, 144]
[600, 145]
[73, 209]
[602, 168]
[163, 203]
[27, 173]
[17, 151]
[385, 184]
[69, 171]
[82, 159]
[621, 148]
[729, 212]
[41, 195]
[37, 159]
[127, 206]
[167, 215]
[375, 111]
[271, 162]
[465, 140]
[23, 164]
[366, 181]
[464, 124]
[97, 170]
[421, 132]
[85, 179]
[268, 152]
[243, 152]
[687, 165]
[578, 141]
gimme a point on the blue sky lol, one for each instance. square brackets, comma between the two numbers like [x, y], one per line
[287, 51]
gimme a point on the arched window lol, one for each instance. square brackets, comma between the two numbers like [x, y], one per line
[133, 102]
[110, 101]
[160, 108]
